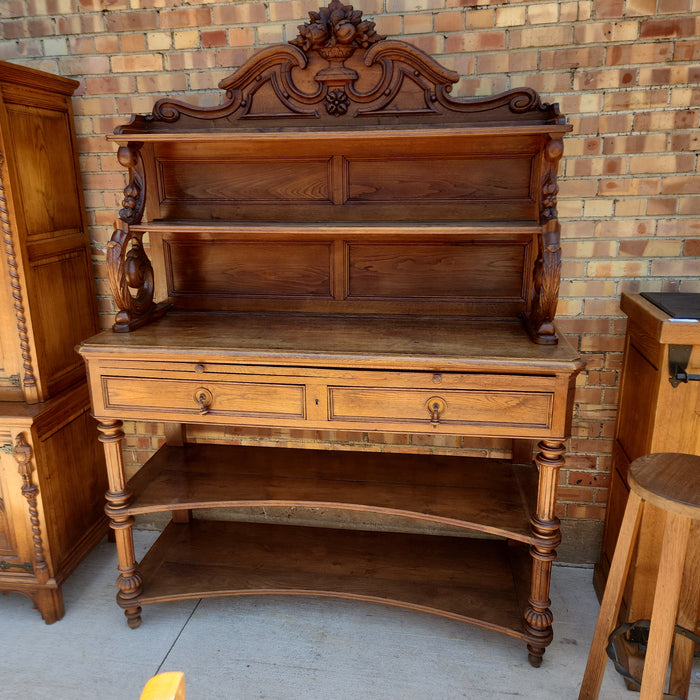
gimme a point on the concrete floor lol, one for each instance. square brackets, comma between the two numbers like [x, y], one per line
[286, 648]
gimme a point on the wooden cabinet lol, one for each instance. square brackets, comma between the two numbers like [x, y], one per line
[51, 470]
[654, 415]
[47, 297]
[341, 246]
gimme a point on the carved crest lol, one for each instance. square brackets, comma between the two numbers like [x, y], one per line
[339, 70]
[334, 27]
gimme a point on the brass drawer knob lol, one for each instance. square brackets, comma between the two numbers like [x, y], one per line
[203, 398]
[436, 405]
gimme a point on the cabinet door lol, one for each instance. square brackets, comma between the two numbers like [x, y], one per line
[15, 548]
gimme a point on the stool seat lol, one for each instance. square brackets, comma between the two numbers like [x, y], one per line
[670, 482]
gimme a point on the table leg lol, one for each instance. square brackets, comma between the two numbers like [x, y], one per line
[545, 527]
[118, 498]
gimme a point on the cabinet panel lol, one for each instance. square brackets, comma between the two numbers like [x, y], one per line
[46, 185]
[16, 559]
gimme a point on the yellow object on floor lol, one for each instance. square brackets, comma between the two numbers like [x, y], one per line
[165, 686]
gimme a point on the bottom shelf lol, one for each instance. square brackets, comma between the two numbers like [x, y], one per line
[479, 581]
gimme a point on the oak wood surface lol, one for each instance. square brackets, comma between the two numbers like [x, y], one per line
[49, 303]
[340, 244]
[211, 558]
[52, 484]
[52, 468]
[491, 496]
[357, 341]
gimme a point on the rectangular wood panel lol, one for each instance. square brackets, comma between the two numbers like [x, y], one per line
[435, 271]
[267, 269]
[486, 407]
[41, 140]
[439, 177]
[273, 180]
[67, 312]
[158, 396]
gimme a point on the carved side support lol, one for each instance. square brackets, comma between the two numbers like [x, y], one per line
[539, 320]
[23, 455]
[545, 527]
[118, 498]
[28, 379]
[129, 269]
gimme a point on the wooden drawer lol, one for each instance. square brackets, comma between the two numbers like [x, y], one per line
[441, 407]
[204, 397]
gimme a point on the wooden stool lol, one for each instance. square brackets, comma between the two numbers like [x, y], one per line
[670, 482]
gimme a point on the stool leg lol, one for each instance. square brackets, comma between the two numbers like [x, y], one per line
[688, 615]
[612, 597]
[665, 608]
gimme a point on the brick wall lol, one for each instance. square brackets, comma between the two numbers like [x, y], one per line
[625, 72]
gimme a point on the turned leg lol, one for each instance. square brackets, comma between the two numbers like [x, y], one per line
[118, 498]
[688, 615]
[545, 527]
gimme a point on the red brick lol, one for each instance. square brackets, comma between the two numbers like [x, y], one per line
[190, 18]
[686, 51]
[239, 13]
[215, 37]
[131, 21]
[664, 28]
[633, 54]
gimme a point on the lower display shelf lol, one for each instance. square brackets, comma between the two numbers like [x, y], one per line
[479, 581]
[490, 496]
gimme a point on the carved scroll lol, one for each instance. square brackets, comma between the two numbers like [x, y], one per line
[539, 320]
[23, 455]
[28, 379]
[339, 70]
[129, 269]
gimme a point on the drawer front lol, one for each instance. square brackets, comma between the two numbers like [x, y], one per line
[441, 408]
[204, 397]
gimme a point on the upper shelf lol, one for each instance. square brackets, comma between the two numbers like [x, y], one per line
[344, 127]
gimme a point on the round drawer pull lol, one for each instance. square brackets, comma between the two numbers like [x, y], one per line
[199, 368]
[436, 405]
[203, 398]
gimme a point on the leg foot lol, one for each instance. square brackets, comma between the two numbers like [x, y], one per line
[535, 655]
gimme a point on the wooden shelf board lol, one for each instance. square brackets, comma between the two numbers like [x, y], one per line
[472, 581]
[340, 340]
[490, 496]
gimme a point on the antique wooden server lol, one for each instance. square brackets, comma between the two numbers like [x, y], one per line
[341, 246]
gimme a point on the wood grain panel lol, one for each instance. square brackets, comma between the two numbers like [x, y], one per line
[227, 398]
[486, 407]
[6, 462]
[491, 496]
[291, 181]
[205, 558]
[446, 271]
[66, 316]
[42, 142]
[264, 269]
[439, 177]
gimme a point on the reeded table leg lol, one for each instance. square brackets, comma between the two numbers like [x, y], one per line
[545, 527]
[118, 498]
